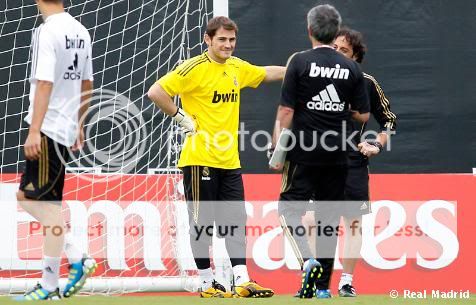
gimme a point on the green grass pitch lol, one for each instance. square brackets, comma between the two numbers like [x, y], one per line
[276, 300]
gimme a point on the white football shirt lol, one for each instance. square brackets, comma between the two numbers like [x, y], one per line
[61, 54]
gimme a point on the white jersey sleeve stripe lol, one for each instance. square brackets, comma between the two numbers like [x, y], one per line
[46, 57]
[35, 44]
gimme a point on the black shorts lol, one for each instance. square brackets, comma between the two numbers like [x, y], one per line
[43, 179]
[356, 201]
[357, 191]
[300, 183]
[214, 195]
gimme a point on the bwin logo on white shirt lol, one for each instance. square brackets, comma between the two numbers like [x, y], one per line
[326, 72]
[327, 100]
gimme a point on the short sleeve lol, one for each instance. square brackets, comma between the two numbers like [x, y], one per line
[251, 75]
[289, 94]
[176, 82]
[88, 65]
[360, 100]
[45, 60]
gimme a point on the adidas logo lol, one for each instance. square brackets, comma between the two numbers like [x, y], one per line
[73, 73]
[29, 187]
[327, 100]
[364, 206]
[74, 66]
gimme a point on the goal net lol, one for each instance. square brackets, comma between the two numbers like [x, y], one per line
[123, 194]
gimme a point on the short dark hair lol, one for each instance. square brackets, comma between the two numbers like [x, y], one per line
[324, 23]
[216, 23]
[356, 41]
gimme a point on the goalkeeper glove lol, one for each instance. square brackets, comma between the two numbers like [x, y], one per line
[186, 122]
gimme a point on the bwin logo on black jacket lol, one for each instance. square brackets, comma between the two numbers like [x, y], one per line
[225, 97]
[326, 72]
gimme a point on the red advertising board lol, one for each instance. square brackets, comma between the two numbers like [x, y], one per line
[269, 266]
[368, 279]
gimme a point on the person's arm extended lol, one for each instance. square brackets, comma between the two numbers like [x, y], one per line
[274, 73]
[42, 98]
[380, 109]
[162, 99]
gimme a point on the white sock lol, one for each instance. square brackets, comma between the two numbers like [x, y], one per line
[206, 278]
[240, 274]
[345, 279]
[49, 279]
[73, 253]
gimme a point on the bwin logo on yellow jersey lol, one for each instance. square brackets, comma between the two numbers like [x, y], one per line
[225, 97]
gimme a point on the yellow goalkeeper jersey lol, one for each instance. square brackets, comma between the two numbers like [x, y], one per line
[210, 94]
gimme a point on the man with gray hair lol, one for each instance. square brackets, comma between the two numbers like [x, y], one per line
[323, 23]
[322, 89]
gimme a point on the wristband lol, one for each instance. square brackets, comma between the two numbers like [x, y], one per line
[376, 144]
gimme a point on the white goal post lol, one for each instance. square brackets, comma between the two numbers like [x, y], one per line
[220, 8]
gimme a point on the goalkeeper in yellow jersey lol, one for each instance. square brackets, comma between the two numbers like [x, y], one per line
[209, 86]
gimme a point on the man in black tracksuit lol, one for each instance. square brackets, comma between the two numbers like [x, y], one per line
[322, 89]
[350, 43]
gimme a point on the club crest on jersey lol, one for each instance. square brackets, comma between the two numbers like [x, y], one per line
[225, 97]
[206, 173]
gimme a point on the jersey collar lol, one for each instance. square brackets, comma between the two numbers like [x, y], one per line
[211, 59]
[50, 17]
[324, 46]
